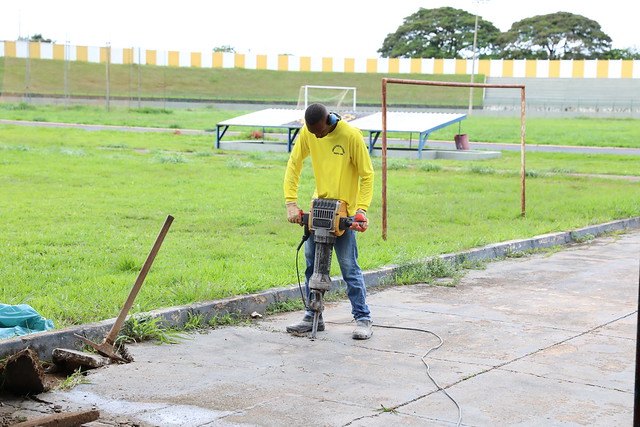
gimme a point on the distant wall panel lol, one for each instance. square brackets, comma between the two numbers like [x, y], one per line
[577, 69]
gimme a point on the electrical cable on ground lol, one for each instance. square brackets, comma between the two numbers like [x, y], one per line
[424, 356]
[438, 386]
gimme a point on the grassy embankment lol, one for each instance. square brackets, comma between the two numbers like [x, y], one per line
[130, 81]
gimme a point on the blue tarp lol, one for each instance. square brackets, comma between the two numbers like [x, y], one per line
[21, 319]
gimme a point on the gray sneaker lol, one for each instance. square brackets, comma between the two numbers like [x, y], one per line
[363, 330]
[305, 325]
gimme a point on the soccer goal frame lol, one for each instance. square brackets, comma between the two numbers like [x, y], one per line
[307, 87]
[387, 81]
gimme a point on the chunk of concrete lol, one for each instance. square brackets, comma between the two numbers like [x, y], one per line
[23, 373]
[73, 359]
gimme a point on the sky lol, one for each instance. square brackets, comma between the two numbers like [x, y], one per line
[349, 28]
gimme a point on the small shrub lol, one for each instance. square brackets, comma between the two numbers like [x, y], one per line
[515, 254]
[142, 327]
[171, 158]
[218, 320]
[562, 170]
[285, 306]
[151, 110]
[429, 167]
[234, 162]
[529, 173]
[437, 267]
[397, 164]
[76, 378]
[480, 169]
[582, 238]
[22, 106]
[202, 153]
[117, 145]
[127, 264]
[424, 272]
[73, 152]
[194, 322]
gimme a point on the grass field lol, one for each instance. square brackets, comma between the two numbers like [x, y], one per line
[80, 211]
[571, 131]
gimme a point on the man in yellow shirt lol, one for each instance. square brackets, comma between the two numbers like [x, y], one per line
[343, 171]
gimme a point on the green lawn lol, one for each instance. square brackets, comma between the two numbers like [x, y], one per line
[80, 211]
[573, 132]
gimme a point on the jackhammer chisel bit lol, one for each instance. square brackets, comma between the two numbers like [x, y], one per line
[325, 222]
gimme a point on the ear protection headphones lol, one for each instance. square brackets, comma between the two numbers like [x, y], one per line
[333, 118]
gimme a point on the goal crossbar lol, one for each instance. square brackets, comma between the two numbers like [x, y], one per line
[346, 88]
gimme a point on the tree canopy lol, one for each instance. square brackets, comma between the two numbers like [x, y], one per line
[36, 38]
[225, 49]
[560, 35]
[444, 32]
[447, 32]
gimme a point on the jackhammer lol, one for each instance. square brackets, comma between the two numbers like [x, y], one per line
[326, 220]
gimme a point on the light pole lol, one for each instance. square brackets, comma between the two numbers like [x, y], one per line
[473, 56]
[108, 76]
[473, 65]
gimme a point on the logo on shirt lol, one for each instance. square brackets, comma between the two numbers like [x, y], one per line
[337, 149]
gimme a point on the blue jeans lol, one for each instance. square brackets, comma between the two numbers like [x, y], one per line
[346, 250]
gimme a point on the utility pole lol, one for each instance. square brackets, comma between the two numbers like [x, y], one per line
[473, 65]
[27, 74]
[108, 82]
[139, 78]
[473, 55]
[67, 52]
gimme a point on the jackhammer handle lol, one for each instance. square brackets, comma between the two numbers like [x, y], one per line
[304, 218]
[115, 329]
[304, 222]
[348, 222]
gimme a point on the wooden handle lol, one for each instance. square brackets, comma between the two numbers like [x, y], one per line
[115, 329]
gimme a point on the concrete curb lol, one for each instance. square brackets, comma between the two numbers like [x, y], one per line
[45, 342]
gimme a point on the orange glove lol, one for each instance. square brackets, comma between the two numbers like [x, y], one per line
[360, 221]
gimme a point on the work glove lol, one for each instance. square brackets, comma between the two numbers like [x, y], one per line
[294, 213]
[360, 221]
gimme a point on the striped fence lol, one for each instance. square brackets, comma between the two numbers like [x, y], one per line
[626, 69]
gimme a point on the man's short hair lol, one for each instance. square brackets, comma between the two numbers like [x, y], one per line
[315, 113]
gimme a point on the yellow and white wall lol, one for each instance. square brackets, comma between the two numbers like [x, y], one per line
[626, 69]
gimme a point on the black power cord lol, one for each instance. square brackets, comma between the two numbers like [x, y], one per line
[423, 358]
[438, 386]
[305, 236]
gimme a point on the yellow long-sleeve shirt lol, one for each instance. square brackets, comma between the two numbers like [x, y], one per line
[341, 166]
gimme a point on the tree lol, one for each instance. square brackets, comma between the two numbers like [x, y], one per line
[226, 49]
[628, 53]
[444, 32]
[35, 38]
[560, 35]
[39, 38]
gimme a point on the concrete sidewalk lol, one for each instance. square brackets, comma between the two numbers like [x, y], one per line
[545, 340]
